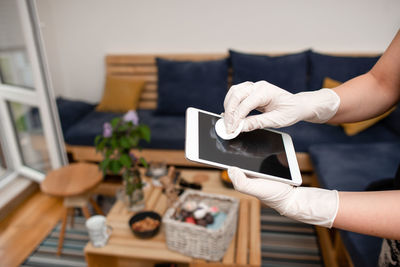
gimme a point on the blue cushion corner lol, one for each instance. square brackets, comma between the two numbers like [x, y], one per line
[183, 84]
[288, 71]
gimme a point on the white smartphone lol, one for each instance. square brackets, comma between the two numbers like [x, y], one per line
[260, 153]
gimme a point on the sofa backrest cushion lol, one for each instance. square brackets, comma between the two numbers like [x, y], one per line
[71, 111]
[340, 68]
[393, 121]
[121, 94]
[199, 84]
[288, 71]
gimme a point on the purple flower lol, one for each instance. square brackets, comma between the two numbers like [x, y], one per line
[132, 116]
[107, 130]
[133, 157]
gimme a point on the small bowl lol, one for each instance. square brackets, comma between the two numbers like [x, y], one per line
[140, 216]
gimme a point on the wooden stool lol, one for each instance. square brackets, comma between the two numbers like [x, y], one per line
[73, 182]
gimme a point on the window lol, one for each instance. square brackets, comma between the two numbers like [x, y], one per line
[28, 118]
[29, 132]
[3, 165]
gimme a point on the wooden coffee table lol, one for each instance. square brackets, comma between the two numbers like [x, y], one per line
[124, 249]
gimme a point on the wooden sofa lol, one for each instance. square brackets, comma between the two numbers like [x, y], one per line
[144, 67]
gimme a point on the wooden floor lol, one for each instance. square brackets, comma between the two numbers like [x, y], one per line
[23, 230]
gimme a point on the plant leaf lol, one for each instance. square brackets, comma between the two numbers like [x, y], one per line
[124, 142]
[145, 132]
[104, 164]
[134, 140]
[115, 166]
[144, 162]
[97, 139]
[114, 143]
[101, 145]
[115, 122]
[126, 160]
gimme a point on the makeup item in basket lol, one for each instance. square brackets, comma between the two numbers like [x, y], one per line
[213, 210]
[198, 241]
[189, 206]
[190, 220]
[209, 218]
[99, 231]
[199, 214]
[218, 221]
[201, 222]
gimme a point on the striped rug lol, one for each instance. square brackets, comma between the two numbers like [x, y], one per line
[285, 242]
[75, 239]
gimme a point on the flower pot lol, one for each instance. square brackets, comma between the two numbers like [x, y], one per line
[131, 193]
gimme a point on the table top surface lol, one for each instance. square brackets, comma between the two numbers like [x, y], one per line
[71, 180]
[244, 248]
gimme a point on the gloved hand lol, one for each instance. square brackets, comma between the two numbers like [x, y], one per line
[280, 108]
[306, 204]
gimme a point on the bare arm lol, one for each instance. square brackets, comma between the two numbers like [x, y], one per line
[373, 93]
[372, 213]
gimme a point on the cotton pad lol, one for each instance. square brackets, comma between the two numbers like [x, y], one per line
[221, 130]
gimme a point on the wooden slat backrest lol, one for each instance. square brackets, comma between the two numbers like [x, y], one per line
[144, 67]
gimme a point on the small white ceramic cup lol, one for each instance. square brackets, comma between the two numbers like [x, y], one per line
[99, 231]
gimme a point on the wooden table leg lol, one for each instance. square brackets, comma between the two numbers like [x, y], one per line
[86, 212]
[95, 206]
[72, 217]
[62, 232]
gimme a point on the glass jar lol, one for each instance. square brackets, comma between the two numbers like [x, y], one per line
[132, 191]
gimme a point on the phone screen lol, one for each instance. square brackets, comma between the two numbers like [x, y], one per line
[259, 150]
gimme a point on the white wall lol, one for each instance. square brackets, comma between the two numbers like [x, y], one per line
[79, 33]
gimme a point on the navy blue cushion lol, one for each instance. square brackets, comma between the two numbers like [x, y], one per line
[85, 131]
[348, 167]
[71, 111]
[337, 68]
[167, 132]
[393, 121]
[364, 250]
[305, 134]
[360, 164]
[288, 71]
[183, 84]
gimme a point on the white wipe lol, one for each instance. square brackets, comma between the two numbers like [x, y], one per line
[221, 130]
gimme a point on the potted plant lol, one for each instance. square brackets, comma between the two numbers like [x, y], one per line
[116, 142]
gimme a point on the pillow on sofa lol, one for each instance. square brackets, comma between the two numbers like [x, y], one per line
[120, 94]
[355, 127]
[393, 121]
[71, 111]
[183, 84]
[338, 68]
[288, 72]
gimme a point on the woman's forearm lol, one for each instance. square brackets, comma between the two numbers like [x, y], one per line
[373, 93]
[371, 213]
[360, 99]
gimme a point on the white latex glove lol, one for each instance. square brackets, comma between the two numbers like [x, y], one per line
[279, 107]
[306, 204]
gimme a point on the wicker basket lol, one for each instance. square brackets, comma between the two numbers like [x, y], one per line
[198, 241]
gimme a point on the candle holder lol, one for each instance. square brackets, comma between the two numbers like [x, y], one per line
[157, 170]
